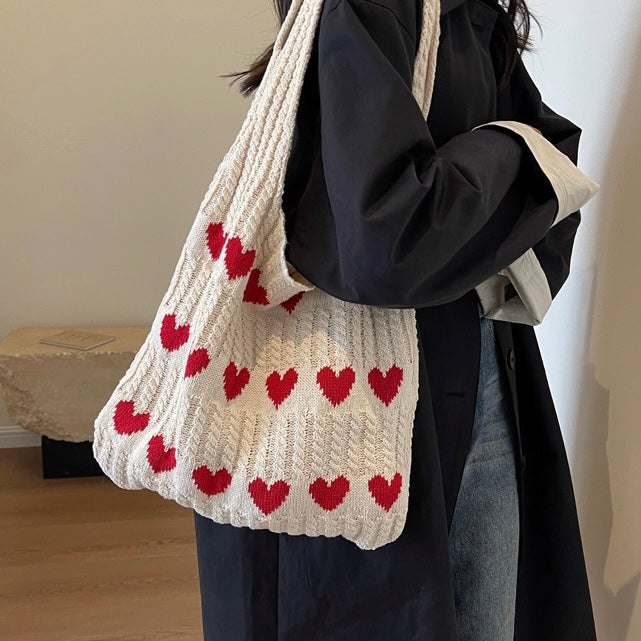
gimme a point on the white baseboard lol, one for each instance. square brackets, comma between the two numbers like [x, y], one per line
[16, 436]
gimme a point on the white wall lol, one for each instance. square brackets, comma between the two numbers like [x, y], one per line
[113, 120]
[588, 68]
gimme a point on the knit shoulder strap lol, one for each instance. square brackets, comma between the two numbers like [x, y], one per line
[273, 114]
[303, 16]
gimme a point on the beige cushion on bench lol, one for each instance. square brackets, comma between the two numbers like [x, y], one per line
[59, 391]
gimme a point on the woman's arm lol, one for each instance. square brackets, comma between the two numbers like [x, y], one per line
[409, 225]
[523, 291]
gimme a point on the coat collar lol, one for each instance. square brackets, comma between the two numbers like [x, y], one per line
[448, 5]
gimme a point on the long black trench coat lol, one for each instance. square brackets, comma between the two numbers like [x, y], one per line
[381, 210]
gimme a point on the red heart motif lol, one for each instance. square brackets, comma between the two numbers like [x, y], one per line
[330, 496]
[126, 421]
[278, 389]
[196, 362]
[336, 388]
[237, 261]
[255, 293]
[160, 459]
[268, 498]
[216, 238]
[234, 381]
[385, 387]
[209, 483]
[173, 336]
[292, 301]
[384, 493]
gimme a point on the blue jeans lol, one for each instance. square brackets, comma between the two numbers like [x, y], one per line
[484, 535]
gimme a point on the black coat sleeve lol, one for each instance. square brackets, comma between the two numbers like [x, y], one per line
[523, 291]
[406, 224]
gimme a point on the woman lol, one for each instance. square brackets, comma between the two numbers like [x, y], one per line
[489, 552]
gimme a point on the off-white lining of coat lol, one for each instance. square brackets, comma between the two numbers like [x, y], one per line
[573, 189]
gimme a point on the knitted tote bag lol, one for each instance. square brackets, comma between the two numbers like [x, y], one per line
[257, 399]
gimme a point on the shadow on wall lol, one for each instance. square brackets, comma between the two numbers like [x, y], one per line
[607, 454]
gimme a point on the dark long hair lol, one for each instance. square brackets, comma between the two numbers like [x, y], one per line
[513, 31]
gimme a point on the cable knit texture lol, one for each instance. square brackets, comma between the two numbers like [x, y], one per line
[257, 399]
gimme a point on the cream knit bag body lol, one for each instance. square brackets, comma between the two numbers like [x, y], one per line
[257, 399]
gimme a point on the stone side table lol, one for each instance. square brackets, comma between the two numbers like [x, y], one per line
[57, 392]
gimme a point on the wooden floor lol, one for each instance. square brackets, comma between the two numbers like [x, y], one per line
[83, 560]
